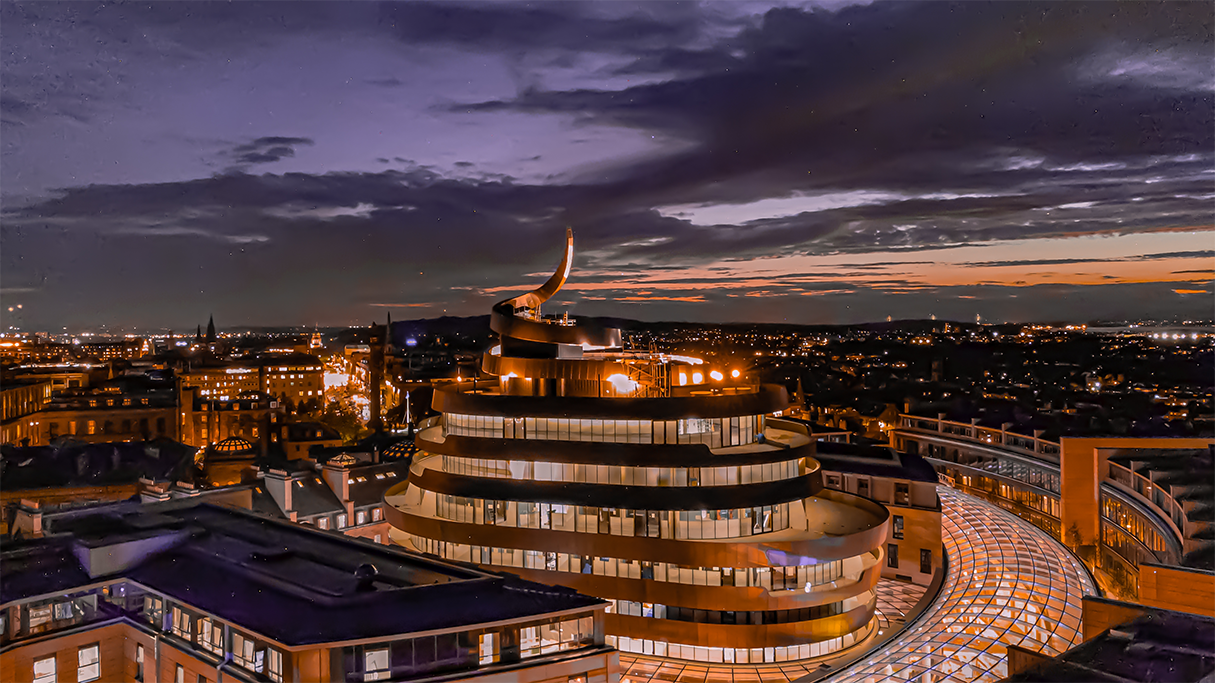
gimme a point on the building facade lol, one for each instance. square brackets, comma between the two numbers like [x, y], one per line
[906, 485]
[102, 414]
[294, 377]
[19, 402]
[252, 416]
[1136, 510]
[650, 480]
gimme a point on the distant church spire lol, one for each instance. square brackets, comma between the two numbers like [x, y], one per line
[198, 335]
[211, 329]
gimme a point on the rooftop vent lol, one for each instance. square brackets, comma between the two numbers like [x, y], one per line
[365, 574]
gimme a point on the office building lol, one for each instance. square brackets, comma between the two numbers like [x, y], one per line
[651, 480]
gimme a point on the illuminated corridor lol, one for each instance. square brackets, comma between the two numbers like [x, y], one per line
[1008, 584]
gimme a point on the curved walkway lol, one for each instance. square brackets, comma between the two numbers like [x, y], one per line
[1009, 583]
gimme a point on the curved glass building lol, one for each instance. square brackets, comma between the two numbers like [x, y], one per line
[652, 480]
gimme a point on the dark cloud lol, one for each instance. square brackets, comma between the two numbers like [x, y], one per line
[570, 26]
[266, 150]
[857, 98]
[13, 109]
[886, 127]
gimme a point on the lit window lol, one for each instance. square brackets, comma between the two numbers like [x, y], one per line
[44, 670]
[276, 666]
[360, 517]
[529, 641]
[377, 514]
[375, 665]
[488, 648]
[341, 521]
[63, 610]
[88, 663]
[242, 650]
[180, 675]
[322, 523]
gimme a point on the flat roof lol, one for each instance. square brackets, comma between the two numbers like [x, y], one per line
[875, 461]
[1160, 646]
[290, 583]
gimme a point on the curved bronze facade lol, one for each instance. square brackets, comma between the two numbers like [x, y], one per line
[651, 480]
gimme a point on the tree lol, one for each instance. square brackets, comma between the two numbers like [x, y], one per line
[1073, 536]
[343, 418]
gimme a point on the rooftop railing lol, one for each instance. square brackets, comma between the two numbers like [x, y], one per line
[1034, 445]
[1047, 452]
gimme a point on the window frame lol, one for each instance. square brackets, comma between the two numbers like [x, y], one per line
[50, 676]
[377, 674]
[82, 666]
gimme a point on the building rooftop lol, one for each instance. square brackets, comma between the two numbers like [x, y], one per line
[75, 463]
[1159, 647]
[876, 461]
[295, 585]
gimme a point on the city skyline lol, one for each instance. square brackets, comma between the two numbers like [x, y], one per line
[323, 163]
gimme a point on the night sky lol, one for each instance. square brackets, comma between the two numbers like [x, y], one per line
[330, 164]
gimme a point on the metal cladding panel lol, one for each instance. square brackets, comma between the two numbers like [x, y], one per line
[606, 453]
[770, 398]
[504, 321]
[623, 496]
[551, 368]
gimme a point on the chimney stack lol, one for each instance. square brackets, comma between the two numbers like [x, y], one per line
[279, 484]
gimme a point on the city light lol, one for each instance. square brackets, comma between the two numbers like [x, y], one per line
[698, 377]
[735, 374]
[716, 374]
[622, 384]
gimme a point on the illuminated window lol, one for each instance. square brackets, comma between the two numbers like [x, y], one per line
[529, 642]
[276, 666]
[44, 670]
[375, 665]
[488, 648]
[242, 650]
[88, 663]
[898, 527]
